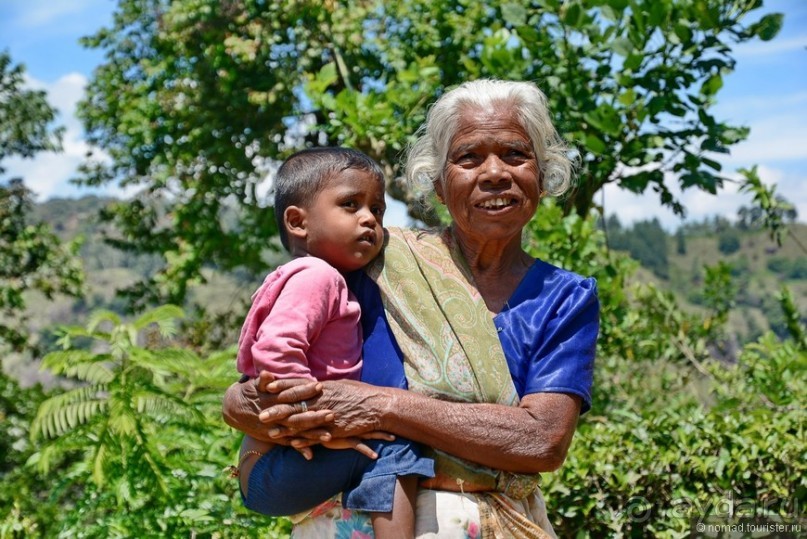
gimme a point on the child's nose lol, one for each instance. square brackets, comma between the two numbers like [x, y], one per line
[367, 217]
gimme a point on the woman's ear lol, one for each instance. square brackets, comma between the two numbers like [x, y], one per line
[438, 190]
[294, 219]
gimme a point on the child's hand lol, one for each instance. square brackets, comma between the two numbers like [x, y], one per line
[352, 443]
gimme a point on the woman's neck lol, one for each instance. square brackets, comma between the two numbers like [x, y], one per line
[498, 266]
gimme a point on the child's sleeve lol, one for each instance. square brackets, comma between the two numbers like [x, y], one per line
[308, 299]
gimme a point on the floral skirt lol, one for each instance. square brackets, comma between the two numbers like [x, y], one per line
[447, 515]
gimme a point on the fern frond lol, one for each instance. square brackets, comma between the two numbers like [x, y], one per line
[68, 418]
[217, 371]
[122, 420]
[60, 358]
[119, 348]
[100, 316]
[132, 332]
[97, 373]
[63, 412]
[175, 361]
[167, 407]
[155, 469]
[164, 316]
[80, 364]
[98, 464]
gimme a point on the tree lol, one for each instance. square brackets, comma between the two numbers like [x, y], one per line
[25, 116]
[32, 258]
[646, 241]
[728, 242]
[24, 504]
[680, 242]
[196, 98]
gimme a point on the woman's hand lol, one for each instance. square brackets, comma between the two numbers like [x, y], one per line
[244, 401]
[343, 409]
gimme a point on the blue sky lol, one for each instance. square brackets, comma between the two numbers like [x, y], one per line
[767, 92]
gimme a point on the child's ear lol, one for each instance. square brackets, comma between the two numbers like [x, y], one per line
[294, 218]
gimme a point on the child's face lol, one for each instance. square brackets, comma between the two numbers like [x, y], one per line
[344, 221]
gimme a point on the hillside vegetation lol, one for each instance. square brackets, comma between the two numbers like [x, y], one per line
[757, 264]
[675, 262]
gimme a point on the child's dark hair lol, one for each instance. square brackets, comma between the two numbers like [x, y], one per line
[306, 172]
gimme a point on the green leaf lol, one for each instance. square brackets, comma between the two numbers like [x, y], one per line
[633, 61]
[684, 33]
[768, 26]
[622, 46]
[627, 97]
[514, 14]
[595, 144]
[712, 85]
[572, 14]
[714, 165]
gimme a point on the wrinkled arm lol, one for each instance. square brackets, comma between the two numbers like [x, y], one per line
[533, 437]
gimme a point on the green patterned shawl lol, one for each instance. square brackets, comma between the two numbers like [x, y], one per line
[449, 342]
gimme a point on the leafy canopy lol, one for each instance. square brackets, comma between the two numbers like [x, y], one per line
[197, 97]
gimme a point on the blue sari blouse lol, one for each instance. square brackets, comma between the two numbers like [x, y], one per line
[548, 330]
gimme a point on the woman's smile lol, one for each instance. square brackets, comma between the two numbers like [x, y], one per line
[497, 204]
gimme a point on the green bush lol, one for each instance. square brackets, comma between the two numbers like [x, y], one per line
[135, 446]
[675, 434]
[789, 268]
[728, 241]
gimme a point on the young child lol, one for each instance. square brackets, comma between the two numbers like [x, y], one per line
[304, 323]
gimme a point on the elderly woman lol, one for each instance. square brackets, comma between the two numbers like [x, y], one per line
[497, 347]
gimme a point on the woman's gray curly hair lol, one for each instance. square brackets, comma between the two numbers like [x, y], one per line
[427, 155]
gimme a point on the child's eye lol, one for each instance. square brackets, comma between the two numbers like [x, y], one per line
[349, 204]
[379, 211]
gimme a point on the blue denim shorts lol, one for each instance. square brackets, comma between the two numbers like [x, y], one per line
[283, 483]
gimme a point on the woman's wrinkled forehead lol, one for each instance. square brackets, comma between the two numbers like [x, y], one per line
[471, 116]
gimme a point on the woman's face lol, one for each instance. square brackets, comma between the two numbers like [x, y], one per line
[491, 183]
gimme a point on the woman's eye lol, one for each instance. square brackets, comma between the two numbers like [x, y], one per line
[466, 159]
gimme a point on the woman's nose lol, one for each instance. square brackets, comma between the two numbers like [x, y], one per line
[494, 170]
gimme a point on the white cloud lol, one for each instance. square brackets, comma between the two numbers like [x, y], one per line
[758, 49]
[630, 207]
[752, 105]
[48, 173]
[777, 138]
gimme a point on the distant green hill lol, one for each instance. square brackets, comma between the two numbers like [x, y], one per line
[759, 267]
